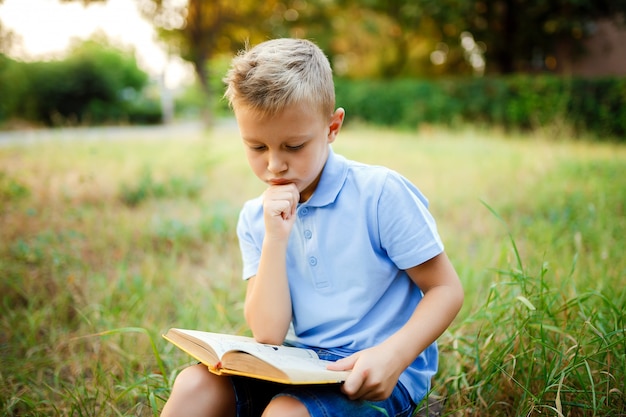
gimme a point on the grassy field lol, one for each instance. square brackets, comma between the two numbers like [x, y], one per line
[106, 243]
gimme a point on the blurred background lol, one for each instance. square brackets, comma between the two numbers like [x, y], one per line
[509, 63]
[510, 115]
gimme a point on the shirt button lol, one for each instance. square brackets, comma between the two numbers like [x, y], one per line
[308, 234]
[304, 211]
[312, 261]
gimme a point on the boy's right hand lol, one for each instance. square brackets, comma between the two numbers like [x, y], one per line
[279, 210]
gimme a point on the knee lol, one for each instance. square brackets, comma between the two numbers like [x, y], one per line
[197, 392]
[197, 379]
[192, 380]
[284, 406]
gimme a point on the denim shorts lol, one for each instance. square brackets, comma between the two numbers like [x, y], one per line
[253, 395]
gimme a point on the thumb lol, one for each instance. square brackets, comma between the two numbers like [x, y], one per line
[344, 364]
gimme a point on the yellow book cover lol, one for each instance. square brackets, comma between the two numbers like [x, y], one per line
[226, 354]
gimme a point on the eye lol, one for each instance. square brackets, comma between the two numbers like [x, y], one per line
[258, 148]
[294, 148]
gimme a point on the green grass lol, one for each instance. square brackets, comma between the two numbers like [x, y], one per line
[105, 244]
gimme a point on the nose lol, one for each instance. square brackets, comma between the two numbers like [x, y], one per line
[276, 163]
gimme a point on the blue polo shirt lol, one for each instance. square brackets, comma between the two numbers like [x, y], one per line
[346, 256]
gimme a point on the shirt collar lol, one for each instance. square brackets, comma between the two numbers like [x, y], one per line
[333, 176]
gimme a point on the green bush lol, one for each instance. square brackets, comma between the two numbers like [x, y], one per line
[596, 106]
[12, 86]
[95, 84]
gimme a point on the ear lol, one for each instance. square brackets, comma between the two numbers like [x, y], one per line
[336, 121]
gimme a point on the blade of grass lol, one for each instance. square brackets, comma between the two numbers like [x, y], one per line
[139, 330]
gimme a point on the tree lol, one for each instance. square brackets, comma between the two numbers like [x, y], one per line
[7, 38]
[400, 35]
[200, 30]
[509, 35]
[523, 35]
[386, 38]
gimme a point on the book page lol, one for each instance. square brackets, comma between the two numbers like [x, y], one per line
[283, 357]
[223, 343]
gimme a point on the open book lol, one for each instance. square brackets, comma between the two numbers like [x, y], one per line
[226, 354]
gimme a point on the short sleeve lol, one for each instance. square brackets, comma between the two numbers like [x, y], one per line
[408, 232]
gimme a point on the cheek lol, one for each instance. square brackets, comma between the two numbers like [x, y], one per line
[311, 169]
[256, 163]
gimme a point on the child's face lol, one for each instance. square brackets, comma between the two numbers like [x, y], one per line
[290, 147]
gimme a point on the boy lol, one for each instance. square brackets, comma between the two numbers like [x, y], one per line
[339, 256]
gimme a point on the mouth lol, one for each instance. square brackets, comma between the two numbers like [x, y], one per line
[279, 181]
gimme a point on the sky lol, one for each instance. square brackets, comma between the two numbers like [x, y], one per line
[46, 28]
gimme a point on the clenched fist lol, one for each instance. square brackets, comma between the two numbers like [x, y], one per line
[279, 209]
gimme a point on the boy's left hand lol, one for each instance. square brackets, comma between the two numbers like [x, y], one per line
[374, 374]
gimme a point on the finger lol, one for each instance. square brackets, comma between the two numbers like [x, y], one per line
[278, 204]
[353, 384]
[294, 206]
[344, 364]
[284, 192]
[283, 209]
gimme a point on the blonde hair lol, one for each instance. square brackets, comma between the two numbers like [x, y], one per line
[278, 73]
